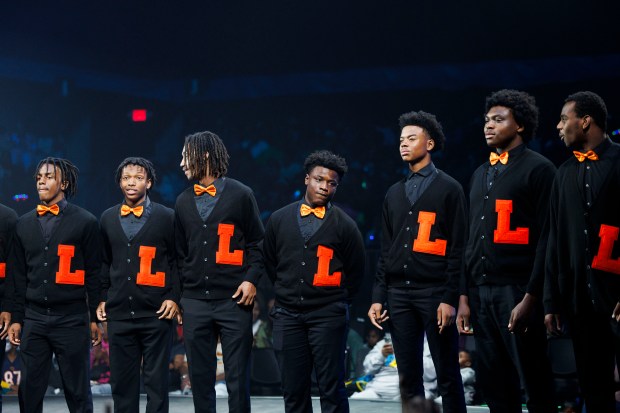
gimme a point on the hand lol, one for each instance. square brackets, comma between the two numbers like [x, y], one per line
[445, 316]
[462, 316]
[554, 324]
[246, 292]
[101, 315]
[169, 309]
[95, 334]
[615, 315]
[376, 316]
[5, 322]
[15, 333]
[387, 350]
[520, 315]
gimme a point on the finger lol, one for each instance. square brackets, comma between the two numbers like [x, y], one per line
[374, 322]
[439, 316]
[162, 308]
[166, 313]
[466, 325]
[179, 318]
[239, 291]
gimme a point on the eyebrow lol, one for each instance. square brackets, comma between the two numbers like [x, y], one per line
[410, 135]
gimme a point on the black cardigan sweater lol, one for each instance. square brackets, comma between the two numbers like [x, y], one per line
[34, 265]
[573, 274]
[205, 271]
[8, 219]
[405, 261]
[126, 294]
[292, 263]
[515, 254]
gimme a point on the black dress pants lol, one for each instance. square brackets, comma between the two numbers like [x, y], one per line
[413, 312]
[509, 362]
[312, 339]
[142, 342]
[203, 322]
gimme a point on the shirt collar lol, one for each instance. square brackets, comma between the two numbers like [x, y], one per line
[424, 172]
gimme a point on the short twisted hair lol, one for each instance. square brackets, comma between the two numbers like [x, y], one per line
[426, 121]
[523, 108]
[589, 103]
[327, 160]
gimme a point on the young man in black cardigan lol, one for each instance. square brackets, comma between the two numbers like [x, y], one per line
[504, 259]
[54, 285]
[314, 255]
[582, 288]
[8, 219]
[140, 289]
[422, 237]
[218, 235]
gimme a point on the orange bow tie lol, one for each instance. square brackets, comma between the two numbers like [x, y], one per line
[42, 209]
[305, 210]
[199, 190]
[591, 155]
[494, 158]
[137, 211]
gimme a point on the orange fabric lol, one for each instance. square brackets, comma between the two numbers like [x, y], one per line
[323, 278]
[603, 260]
[423, 243]
[305, 210]
[494, 158]
[42, 209]
[199, 190]
[137, 211]
[591, 155]
[145, 277]
[64, 274]
[2, 269]
[503, 234]
[223, 255]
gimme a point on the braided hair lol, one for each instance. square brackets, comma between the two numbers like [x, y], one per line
[197, 146]
[68, 172]
[137, 161]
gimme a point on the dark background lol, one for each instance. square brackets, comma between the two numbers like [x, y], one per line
[279, 79]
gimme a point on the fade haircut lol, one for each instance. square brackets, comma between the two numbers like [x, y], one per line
[523, 108]
[197, 146]
[137, 161]
[327, 160]
[426, 121]
[589, 103]
[68, 173]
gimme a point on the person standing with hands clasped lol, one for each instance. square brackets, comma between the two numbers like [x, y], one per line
[422, 238]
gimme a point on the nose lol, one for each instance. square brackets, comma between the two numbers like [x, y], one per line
[559, 125]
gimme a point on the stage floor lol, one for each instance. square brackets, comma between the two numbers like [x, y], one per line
[184, 404]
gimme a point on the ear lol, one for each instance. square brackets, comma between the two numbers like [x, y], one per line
[586, 122]
[64, 185]
[307, 179]
[148, 184]
[430, 144]
[520, 129]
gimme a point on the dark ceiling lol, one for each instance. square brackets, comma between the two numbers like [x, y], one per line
[167, 40]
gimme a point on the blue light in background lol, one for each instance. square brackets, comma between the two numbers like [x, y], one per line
[20, 197]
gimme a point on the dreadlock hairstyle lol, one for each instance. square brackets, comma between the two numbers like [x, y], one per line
[197, 146]
[137, 161]
[327, 160]
[68, 172]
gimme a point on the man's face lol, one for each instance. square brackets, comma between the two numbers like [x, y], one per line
[570, 126]
[414, 144]
[185, 164]
[134, 184]
[50, 185]
[321, 184]
[372, 338]
[500, 127]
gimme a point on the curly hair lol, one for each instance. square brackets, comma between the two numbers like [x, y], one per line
[589, 103]
[327, 160]
[523, 108]
[197, 146]
[136, 161]
[68, 173]
[426, 121]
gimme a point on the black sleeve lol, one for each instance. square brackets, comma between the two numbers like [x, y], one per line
[7, 228]
[541, 187]
[92, 265]
[180, 243]
[16, 280]
[269, 250]
[106, 260]
[551, 286]
[354, 259]
[174, 293]
[379, 291]
[253, 233]
[458, 216]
